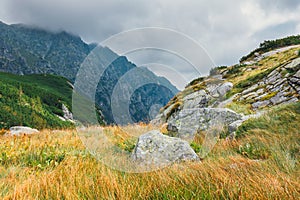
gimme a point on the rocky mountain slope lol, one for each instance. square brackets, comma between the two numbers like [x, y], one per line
[30, 50]
[231, 95]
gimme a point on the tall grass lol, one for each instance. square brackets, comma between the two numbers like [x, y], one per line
[263, 163]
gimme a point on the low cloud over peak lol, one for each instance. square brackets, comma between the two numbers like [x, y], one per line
[227, 29]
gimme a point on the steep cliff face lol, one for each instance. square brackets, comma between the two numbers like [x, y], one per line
[29, 50]
[231, 95]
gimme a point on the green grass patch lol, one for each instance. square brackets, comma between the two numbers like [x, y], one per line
[280, 120]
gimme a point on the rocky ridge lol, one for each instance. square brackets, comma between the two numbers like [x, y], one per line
[232, 95]
[282, 85]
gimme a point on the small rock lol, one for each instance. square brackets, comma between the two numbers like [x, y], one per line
[224, 88]
[295, 80]
[279, 82]
[293, 64]
[273, 77]
[294, 99]
[278, 98]
[19, 130]
[260, 91]
[260, 97]
[260, 104]
[197, 99]
[234, 126]
[277, 88]
[250, 95]
[297, 75]
[252, 88]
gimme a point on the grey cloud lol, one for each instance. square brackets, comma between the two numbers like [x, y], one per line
[276, 31]
[221, 27]
[279, 4]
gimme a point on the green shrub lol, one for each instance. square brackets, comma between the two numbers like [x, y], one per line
[196, 147]
[127, 145]
[255, 149]
[280, 120]
[269, 96]
[272, 44]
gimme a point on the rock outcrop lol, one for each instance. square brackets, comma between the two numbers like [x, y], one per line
[197, 111]
[187, 122]
[154, 149]
[282, 85]
[271, 80]
[19, 130]
[67, 114]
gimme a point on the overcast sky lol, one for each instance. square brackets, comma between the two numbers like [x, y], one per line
[226, 29]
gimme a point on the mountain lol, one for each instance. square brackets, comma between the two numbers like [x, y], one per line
[31, 50]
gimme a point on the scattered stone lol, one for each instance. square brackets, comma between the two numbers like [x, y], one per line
[157, 150]
[250, 95]
[224, 88]
[295, 80]
[278, 98]
[260, 104]
[297, 75]
[279, 82]
[19, 130]
[292, 100]
[277, 88]
[260, 91]
[252, 88]
[197, 99]
[273, 77]
[293, 64]
[260, 97]
[269, 87]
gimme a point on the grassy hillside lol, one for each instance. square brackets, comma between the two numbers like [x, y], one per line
[33, 100]
[263, 163]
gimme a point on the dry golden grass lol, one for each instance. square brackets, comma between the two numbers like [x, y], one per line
[263, 163]
[224, 174]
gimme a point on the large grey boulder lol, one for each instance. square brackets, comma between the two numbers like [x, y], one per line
[19, 130]
[188, 121]
[154, 149]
